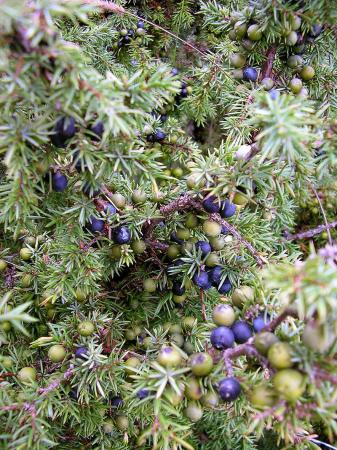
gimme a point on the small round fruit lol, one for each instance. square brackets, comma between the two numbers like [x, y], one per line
[254, 32]
[260, 322]
[169, 357]
[6, 326]
[292, 38]
[188, 347]
[7, 362]
[25, 254]
[86, 328]
[317, 338]
[118, 200]
[242, 331]
[210, 399]
[149, 285]
[179, 299]
[26, 280]
[193, 412]
[201, 364]
[130, 334]
[211, 204]
[211, 228]
[108, 426]
[295, 85]
[240, 29]
[229, 389]
[191, 221]
[240, 199]
[237, 74]
[173, 397]
[138, 247]
[177, 339]
[222, 338]
[192, 389]
[242, 295]
[3, 265]
[189, 322]
[138, 196]
[267, 83]
[115, 252]
[289, 383]
[247, 44]
[262, 397]
[27, 375]
[183, 234]
[237, 60]
[193, 182]
[80, 295]
[294, 61]
[201, 280]
[279, 355]
[212, 260]
[122, 423]
[307, 73]
[223, 315]
[56, 353]
[132, 364]
[295, 22]
[217, 243]
[204, 247]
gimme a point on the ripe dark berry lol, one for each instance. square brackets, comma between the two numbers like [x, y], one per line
[237, 60]
[211, 204]
[122, 235]
[274, 94]
[225, 287]
[229, 389]
[143, 393]
[174, 72]
[222, 337]
[242, 331]
[201, 279]
[95, 225]
[227, 209]
[316, 30]
[110, 209]
[59, 182]
[65, 128]
[259, 323]
[81, 352]
[177, 288]
[97, 129]
[159, 135]
[204, 247]
[140, 24]
[214, 275]
[175, 238]
[224, 230]
[117, 402]
[250, 74]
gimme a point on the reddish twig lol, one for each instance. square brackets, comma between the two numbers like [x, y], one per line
[310, 233]
[271, 326]
[259, 259]
[203, 308]
[246, 349]
[268, 65]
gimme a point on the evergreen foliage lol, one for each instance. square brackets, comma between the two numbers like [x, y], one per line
[160, 160]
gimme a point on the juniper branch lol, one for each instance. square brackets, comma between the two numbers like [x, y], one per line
[310, 233]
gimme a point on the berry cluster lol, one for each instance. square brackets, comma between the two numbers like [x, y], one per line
[127, 35]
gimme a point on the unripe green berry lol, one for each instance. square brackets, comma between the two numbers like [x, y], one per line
[169, 357]
[223, 315]
[192, 389]
[264, 340]
[292, 38]
[211, 228]
[183, 234]
[118, 200]
[279, 355]
[3, 265]
[242, 295]
[307, 73]
[217, 243]
[295, 85]
[267, 83]
[193, 412]
[138, 196]
[56, 353]
[25, 254]
[27, 375]
[132, 364]
[201, 364]
[86, 328]
[191, 221]
[237, 60]
[149, 285]
[290, 384]
[254, 32]
[138, 247]
[122, 423]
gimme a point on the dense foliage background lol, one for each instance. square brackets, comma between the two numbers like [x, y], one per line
[167, 225]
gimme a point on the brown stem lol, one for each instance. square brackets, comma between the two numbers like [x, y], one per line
[310, 233]
[259, 259]
[271, 326]
[246, 349]
[268, 65]
[203, 308]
